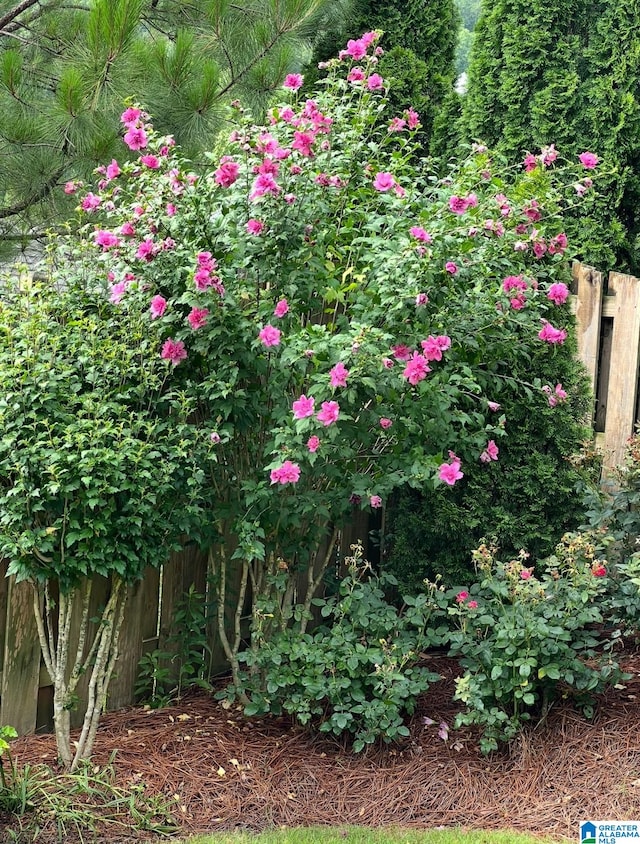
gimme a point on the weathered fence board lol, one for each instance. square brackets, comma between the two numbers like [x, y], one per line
[21, 663]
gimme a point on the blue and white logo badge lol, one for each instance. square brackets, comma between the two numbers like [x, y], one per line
[609, 832]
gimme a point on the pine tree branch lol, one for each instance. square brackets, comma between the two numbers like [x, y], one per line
[43, 191]
[17, 10]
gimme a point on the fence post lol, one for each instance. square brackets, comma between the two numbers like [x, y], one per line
[21, 667]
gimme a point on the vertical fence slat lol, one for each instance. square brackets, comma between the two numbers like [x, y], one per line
[587, 305]
[4, 589]
[21, 670]
[623, 373]
[142, 599]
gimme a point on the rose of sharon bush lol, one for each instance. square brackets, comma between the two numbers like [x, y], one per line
[325, 212]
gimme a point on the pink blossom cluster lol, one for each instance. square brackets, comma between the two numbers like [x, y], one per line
[462, 596]
[558, 293]
[205, 275]
[461, 204]
[288, 473]
[554, 395]
[517, 283]
[451, 472]
[357, 48]
[549, 334]
[135, 137]
[173, 351]
[490, 452]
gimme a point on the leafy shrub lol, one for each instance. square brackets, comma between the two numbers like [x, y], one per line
[526, 640]
[357, 672]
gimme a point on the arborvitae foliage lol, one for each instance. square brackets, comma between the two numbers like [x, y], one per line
[66, 69]
[422, 73]
[565, 72]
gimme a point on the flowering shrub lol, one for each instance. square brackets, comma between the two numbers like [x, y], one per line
[335, 314]
[525, 640]
[357, 672]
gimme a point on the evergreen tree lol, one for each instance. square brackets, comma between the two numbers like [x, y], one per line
[66, 69]
[565, 72]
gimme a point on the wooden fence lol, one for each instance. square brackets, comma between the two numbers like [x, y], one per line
[26, 693]
[608, 334]
[608, 323]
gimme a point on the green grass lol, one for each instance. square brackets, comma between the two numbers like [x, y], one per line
[361, 835]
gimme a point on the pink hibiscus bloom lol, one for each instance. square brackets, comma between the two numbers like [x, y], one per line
[174, 351]
[288, 473]
[416, 369]
[328, 413]
[270, 336]
[303, 407]
[198, 318]
[338, 375]
[158, 306]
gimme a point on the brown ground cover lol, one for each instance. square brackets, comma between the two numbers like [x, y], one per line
[232, 773]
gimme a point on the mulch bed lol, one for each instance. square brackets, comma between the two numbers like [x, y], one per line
[226, 772]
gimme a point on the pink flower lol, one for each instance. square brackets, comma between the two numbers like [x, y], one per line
[90, 202]
[461, 597]
[158, 306]
[525, 574]
[264, 184]
[131, 115]
[281, 308]
[598, 570]
[174, 351]
[490, 453]
[514, 282]
[459, 204]
[387, 363]
[472, 605]
[146, 250]
[420, 234]
[548, 155]
[313, 443]
[113, 170]
[215, 437]
[303, 407]
[375, 501]
[539, 248]
[450, 472]
[127, 229]
[384, 182]
[288, 473]
[293, 81]
[338, 375]
[269, 336]
[150, 161]
[416, 369]
[328, 413]
[117, 292]
[413, 118]
[433, 347]
[356, 74]
[135, 138]
[560, 393]
[105, 239]
[530, 162]
[198, 318]
[552, 335]
[558, 293]
[303, 143]
[385, 423]
[375, 82]
[558, 244]
[170, 210]
[70, 187]
[421, 299]
[493, 406]
[255, 226]
[396, 124]
[451, 267]
[355, 49]
[401, 352]
[227, 172]
[589, 160]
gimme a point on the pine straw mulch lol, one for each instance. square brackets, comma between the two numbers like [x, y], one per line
[232, 773]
